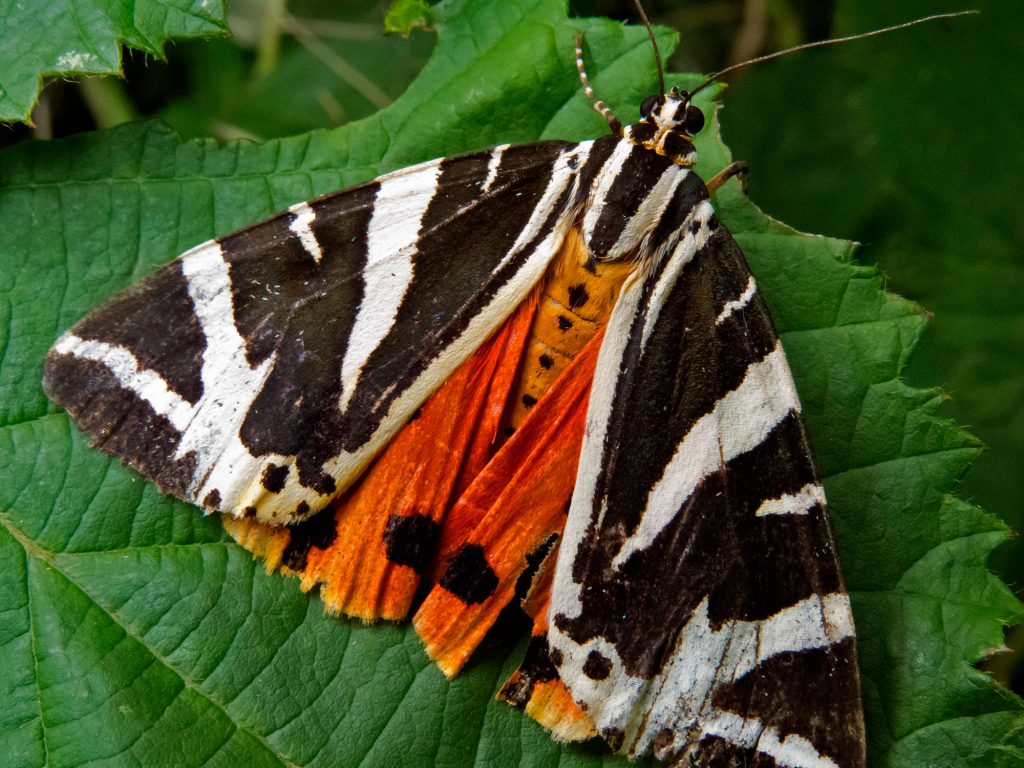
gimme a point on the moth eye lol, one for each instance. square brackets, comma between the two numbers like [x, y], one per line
[693, 120]
[647, 105]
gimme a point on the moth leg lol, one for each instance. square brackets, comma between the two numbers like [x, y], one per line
[600, 106]
[735, 168]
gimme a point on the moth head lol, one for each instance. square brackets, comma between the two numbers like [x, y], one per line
[673, 112]
[667, 125]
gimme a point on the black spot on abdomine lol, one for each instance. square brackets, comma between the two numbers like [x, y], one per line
[578, 296]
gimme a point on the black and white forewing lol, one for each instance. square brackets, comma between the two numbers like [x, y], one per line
[260, 372]
[698, 610]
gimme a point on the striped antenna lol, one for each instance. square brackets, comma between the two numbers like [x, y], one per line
[600, 106]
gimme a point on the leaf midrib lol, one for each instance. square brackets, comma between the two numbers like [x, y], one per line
[35, 552]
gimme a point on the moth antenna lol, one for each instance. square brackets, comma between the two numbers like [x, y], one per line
[822, 43]
[600, 106]
[654, 44]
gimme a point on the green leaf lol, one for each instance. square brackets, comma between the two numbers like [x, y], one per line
[405, 15]
[135, 632]
[84, 37]
[328, 64]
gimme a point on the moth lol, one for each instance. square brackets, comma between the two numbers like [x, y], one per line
[539, 372]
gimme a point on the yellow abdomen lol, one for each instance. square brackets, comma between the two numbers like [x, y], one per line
[576, 302]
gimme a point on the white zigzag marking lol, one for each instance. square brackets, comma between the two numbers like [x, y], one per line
[603, 184]
[391, 240]
[737, 304]
[210, 427]
[561, 177]
[492, 167]
[740, 421]
[649, 212]
[500, 306]
[682, 254]
[799, 503]
[704, 658]
[793, 751]
[304, 217]
[123, 365]
[229, 383]
[606, 380]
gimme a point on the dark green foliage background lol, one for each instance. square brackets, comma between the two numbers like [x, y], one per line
[125, 608]
[912, 145]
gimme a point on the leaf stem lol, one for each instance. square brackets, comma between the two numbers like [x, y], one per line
[108, 104]
[269, 49]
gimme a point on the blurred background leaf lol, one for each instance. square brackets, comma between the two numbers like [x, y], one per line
[65, 37]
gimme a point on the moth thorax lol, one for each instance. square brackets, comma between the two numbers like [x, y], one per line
[670, 143]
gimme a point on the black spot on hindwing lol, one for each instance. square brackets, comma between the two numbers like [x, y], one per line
[538, 661]
[318, 531]
[535, 668]
[410, 540]
[469, 576]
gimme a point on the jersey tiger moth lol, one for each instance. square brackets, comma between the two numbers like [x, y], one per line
[695, 595]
